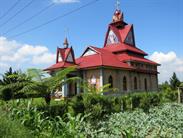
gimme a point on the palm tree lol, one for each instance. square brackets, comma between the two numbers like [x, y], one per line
[34, 82]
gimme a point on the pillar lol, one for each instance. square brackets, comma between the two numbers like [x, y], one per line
[64, 89]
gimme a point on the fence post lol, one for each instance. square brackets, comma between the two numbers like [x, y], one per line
[178, 95]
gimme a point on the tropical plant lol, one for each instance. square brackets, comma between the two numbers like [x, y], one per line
[91, 89]
[174, 81]
[35, 83]
[12, 82]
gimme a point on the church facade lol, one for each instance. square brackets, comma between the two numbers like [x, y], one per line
[119, 63]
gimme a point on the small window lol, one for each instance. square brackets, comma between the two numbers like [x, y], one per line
[145, 84]
[124, 84]
[93, 81]
[110, 80]
[135, 83]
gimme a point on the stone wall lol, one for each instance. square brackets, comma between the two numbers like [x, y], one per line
[88, 74]
[118, 75]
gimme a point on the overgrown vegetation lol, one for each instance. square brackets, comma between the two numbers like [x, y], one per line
[161, 121]
[91, 114]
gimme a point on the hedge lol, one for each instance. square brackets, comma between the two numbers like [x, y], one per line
[98, 106]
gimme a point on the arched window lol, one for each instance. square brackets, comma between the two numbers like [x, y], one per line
[93, 81]
[124, 84]
[110, 81]
[135, 83]
[145, 84]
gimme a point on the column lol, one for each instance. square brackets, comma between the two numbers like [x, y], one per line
[101, 78]
[78, 87]
[64, 89]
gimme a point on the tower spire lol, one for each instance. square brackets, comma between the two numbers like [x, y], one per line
[66, 44]
[118, 15]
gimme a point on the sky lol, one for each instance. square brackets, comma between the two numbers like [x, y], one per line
[158, 27]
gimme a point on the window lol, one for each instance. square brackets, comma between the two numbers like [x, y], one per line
[130, 39]
[135, 83]
[70, 58]
[59, 57]
[93, 81]
[110, 80]
[145, 84]
[112, 38]
[89, 52]
[124, 84]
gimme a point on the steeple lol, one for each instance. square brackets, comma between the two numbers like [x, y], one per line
[118, 15]
[66, 44]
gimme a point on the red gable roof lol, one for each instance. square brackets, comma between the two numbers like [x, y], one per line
[120, 33]
[111, 55]
[101, 58]
[64, 52]
[59, 65]
[123, 47]
[126, 57]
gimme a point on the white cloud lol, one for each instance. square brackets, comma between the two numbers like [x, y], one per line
[44, 58]
[170, 63]
[23, 56]
[65, 1]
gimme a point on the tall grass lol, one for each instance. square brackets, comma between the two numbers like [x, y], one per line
[12, 128]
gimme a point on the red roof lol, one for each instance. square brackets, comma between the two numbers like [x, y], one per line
[102, 58]
[120, 47]
[59, 65]
[111, 55]
[126, 57]
[64, 63]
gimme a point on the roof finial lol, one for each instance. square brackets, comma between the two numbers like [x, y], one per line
[117, 4]
[118, 15]
[66, 44]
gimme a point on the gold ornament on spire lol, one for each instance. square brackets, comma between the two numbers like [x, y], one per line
[118, 15]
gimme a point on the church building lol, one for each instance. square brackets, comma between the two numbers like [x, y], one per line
[119, 62]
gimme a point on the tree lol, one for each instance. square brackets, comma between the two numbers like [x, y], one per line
[9, 76]
[12, 82]
[174, 81]
[34, 82]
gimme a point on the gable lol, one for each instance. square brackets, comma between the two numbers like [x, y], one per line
[130, 38]
[112, 38]
[59, 57]
[70, 58]
[89, 52]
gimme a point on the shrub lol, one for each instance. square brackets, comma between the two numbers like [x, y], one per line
[7, 94]
[12, 128]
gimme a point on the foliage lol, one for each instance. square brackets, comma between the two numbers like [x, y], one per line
[46, 126]
[165, 87]
[12, 82]
[34, 83]
[181, 85]
[12, 128]
[164, 121]
[36, 74]
[174, 81]
[6, 79]
[161, 121]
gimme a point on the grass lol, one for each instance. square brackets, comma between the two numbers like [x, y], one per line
[12, 128]
[35, 102]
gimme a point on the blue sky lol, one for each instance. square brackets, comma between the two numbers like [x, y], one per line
[158, 28]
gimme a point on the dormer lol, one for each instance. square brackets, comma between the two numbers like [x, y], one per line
[119, 31]
[65, 54]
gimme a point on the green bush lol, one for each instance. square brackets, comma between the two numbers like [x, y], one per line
[12, 129]
[7, 94]
[169, 96]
